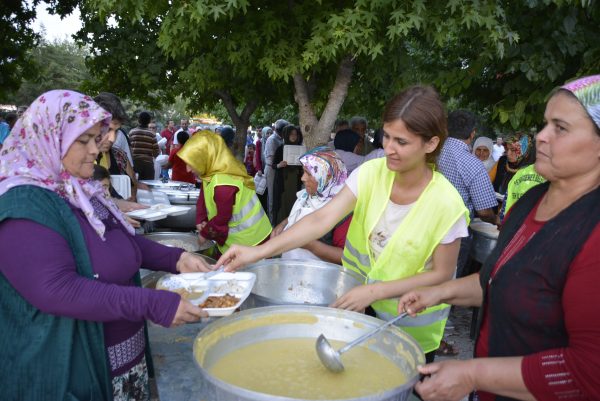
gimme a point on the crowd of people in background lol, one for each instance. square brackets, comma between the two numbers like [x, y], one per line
[363, 201]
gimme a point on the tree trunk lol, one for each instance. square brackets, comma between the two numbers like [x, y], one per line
[241, 121]
[316, 131]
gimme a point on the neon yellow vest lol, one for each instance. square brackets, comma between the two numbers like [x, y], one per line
[523, 180]
[438, 208]
[249, 224]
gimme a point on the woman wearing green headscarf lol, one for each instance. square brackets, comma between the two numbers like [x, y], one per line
[538, 295]
[228, 211]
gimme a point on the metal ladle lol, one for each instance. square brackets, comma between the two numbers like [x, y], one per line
[332, 358]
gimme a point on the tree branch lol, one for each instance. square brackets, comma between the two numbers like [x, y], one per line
[229, 105]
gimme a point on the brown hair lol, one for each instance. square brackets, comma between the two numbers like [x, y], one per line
[423, 113]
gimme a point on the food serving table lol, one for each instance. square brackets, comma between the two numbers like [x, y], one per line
[176, 374]
[175, 371]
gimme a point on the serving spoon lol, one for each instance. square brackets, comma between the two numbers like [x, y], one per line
[332, 358]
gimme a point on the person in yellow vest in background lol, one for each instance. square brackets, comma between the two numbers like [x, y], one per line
[408, 219]
[523, 180]
[228, 210]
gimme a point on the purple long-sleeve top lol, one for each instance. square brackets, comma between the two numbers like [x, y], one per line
[40, 265]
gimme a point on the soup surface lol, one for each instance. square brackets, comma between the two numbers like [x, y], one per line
[291, 368]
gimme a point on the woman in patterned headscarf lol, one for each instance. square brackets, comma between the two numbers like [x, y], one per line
[538, 291]
[324, 176]
[72, 317]
[407, 222]
[520, 153]
[228, 211]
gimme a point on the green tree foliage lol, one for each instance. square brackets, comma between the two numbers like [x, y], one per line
[551, 42]
[498, 57]
[59, 65]
[18, 39]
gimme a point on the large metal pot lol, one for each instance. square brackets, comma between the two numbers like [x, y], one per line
[256, 325]
[160, 184]
[485, 236]
[187, 241]
[187, 197]
[299, 282]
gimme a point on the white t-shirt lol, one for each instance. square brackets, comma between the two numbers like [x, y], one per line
[393, 215]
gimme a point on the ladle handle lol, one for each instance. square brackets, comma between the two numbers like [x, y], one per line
[371, 334]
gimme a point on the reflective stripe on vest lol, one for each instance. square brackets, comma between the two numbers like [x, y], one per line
[256, 226]
[245, 210]
[248, 223]
[363, 259]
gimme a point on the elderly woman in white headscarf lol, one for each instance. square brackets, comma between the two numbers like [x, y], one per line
[482, 149]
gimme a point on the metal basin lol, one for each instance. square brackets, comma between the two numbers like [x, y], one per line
[299, 282]
[159, 184]
[187, 197]
[280, 322]
[187, 241]
[485, 236]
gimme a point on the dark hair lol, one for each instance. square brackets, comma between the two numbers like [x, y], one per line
[227, 134]
[251, 145]
[340, 124]
[111, 103]
[461, 124]
[346, 139]
[182, 137]
[572, 95]
[11, 118]
[144, 118]
[287, 131]
[423, 113]
[378, 138]
[280, 125]
[100, 173]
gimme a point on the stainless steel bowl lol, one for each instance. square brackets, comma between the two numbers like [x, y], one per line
[485, 237]
[299, 282]
[256, 325]
[188, 240]
[168, 184]
[186, 197]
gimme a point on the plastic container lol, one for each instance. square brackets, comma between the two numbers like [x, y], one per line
[238, 285]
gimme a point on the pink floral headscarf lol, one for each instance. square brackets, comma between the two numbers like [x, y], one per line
[328, 169]
[33, 152]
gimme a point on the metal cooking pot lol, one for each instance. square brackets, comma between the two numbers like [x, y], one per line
[485, 236]
[299, 282]
[159, 184]
[186, 197]
[256, 325]
[189, 242]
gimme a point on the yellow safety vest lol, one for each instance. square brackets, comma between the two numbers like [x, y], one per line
[523, 180]
[249, 224]
[438, 208]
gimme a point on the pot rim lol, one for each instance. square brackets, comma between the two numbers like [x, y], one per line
[371, 322]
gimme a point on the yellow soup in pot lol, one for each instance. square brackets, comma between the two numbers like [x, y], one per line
[291, 368]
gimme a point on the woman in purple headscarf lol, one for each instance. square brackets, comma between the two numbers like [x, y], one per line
[72, 318]
[539, 327]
